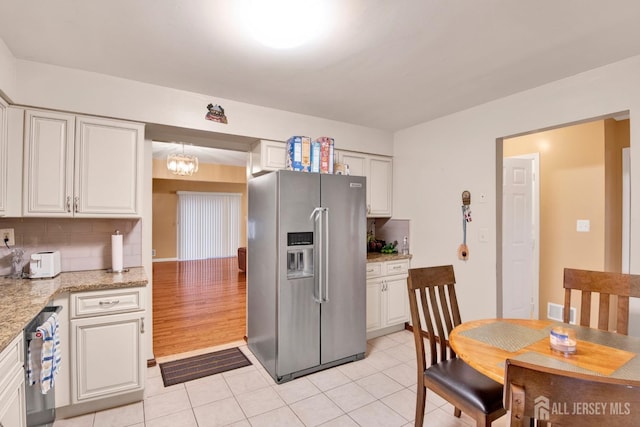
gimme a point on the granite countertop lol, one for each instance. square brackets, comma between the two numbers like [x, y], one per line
[380, 257]
[22, 299]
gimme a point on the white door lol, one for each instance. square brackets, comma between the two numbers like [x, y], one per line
[519, 269]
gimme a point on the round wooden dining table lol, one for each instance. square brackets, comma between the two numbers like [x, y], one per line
[487, 344]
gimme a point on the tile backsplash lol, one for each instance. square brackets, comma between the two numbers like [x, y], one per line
[390, 229]
[84, 244]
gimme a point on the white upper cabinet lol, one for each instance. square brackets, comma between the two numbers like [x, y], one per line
[379, 185]
[78, 166]
[379, 171]
[108, 167]
[357, 165]
[48, 163]
[266, 156]
[3, 157]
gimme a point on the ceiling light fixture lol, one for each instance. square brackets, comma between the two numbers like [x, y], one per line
[182, 164]
[283, 24]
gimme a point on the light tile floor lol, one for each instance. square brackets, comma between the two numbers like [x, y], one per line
[377, 391]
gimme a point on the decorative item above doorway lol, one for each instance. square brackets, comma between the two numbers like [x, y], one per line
[216, 114]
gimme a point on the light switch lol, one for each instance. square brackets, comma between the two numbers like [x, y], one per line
[583, 225]
[483, 234]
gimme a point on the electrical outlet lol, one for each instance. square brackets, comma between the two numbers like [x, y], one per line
[8, 237]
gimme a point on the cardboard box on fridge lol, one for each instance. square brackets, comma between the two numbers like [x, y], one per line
[322, 155]
[299, 153]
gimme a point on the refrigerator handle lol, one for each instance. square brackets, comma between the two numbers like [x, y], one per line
[325, 255]
[316, 216]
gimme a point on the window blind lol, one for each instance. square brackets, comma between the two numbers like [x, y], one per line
[208, 225]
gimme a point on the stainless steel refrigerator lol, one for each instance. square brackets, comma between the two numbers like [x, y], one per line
[306, 284]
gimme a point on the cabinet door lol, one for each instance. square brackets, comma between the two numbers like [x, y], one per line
[357, 165]
[13, 411]
[374, 287]
[108, 356]
[273, 155]
[108, 167]
[396, 300]
[15, 161]
[379, 186]
[267, 156]
[48, 164]
[3, 157]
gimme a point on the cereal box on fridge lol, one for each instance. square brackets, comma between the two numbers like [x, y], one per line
[322, 155]
[299, 153]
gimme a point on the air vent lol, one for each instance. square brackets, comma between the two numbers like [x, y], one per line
[555, 312]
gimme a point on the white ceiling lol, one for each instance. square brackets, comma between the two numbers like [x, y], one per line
[384, 64]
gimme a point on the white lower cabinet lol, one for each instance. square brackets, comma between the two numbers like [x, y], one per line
[107, 343]
[387, 298]
[13, 411]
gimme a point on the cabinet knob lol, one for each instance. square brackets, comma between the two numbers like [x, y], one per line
[142, 325]
[75, 203]
[68, 203]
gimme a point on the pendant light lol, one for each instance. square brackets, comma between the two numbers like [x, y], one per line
[182, 164]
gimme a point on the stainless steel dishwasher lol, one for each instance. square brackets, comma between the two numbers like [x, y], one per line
[41, 410]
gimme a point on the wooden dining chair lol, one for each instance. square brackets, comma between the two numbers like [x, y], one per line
[432, 292]
[605, 284]
[567, 398]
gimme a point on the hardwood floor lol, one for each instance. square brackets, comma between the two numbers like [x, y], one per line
[197, 304]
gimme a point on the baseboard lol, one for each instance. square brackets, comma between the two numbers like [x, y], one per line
[385, 331]
[99, 404]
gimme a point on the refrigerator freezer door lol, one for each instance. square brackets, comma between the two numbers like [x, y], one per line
[298, 313]
[262, 270]
[343, 316]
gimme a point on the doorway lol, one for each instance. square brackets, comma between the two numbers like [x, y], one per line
[580, 183]
[200, 303]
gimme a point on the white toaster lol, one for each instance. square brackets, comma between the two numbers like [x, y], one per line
[44, 265]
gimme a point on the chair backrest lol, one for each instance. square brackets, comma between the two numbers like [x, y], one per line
[432, 292]
[605, 284]
[567, 398]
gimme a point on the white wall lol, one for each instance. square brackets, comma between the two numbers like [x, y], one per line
[79, 91]
[435, 161]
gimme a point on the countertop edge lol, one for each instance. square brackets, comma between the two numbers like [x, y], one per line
[380, 257]
[25, 298]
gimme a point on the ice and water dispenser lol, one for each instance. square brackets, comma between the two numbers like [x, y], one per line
[299, 254]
